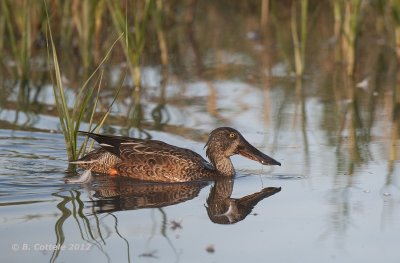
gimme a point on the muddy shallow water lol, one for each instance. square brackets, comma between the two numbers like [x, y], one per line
[336, 196]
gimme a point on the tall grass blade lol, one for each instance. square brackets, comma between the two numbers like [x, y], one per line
[299, 43]
[70, 122]
[133, 44]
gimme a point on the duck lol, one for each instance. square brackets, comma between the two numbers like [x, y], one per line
[157, 161]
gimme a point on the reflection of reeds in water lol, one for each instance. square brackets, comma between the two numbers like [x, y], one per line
[356, 122]
[88, 233]
[92, 230]
[391, 189]
[159, 113]
[303, 120]
[356, 127]
[395, 129]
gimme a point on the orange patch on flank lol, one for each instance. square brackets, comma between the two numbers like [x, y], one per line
[112, 172]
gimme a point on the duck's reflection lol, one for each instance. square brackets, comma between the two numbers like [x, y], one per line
[116, 194]
[222, 209]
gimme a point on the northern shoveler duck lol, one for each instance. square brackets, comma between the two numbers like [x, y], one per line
[153, 160]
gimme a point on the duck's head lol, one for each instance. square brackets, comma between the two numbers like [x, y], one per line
[224, 142]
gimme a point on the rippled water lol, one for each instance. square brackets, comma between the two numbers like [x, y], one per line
[38, 207]
[336, 196]
[326, 210]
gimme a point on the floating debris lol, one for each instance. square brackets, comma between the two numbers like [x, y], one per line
[210, 249]
[363, 84]
[151, 254]
[175, 225]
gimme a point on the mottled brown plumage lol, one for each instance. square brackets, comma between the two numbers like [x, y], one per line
[153, 160]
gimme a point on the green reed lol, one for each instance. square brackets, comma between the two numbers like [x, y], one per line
[18, 22]
[299, 42]
[70, 121]
[395, 10]
[133, 43]
[83, 17]
[350, 32]
[337, 25]
[71, 209]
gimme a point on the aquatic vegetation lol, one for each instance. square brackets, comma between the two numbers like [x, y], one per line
[395, 10]
[347, 24]
[133, 42]
[351, 26]
[299, 43]
[71, 122]
[17, 25]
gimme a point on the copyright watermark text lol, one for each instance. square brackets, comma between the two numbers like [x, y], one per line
[51, 247]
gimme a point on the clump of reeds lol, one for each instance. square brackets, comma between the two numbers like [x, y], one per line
[70, 120]
[351, 27]
[347, 27]
[20, 39]
[133, 43]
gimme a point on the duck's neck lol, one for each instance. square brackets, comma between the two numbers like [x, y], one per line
[223, 165]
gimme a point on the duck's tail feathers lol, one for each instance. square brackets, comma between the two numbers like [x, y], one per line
[107, 142]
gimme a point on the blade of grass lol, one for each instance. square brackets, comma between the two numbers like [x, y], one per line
[70, 123]
[83, 146]
[100, 124]
[58, 90]
[95, 71]
[133, 44]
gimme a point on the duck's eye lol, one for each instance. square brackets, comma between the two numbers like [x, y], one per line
[232, 135]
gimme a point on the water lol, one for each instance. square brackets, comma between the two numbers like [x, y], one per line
[336, 196]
